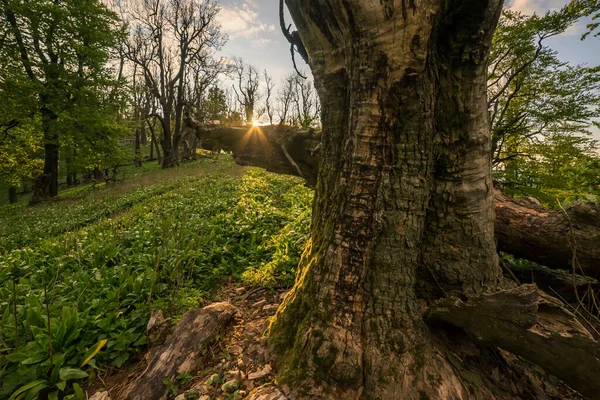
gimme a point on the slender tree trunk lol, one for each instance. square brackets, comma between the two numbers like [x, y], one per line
[144, 135]
[71, 174]
[98, 175]
[138, 152]
[13, 197]
[167, 141]
[45, 186]
[403, 212]
[249, 109]
[151, 148]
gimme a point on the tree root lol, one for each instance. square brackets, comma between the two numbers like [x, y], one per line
[528, 323]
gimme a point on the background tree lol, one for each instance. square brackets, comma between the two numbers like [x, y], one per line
[167, 38]
[246, 87]
[533, 99]
[286, 97]
[530, 90]
[306, 102]
[216, 105]
[20, 148]
[57, 52]
[269, 106]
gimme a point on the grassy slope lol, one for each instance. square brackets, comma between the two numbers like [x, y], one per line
[97, 261]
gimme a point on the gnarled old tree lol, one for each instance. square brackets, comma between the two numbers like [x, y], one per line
[402, 251]
[403, 213]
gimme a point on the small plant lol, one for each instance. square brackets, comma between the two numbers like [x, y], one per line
[86, 285]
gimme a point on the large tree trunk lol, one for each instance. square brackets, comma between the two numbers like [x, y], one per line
[403, 207]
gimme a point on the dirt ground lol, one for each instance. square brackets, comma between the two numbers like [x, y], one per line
[230, 369]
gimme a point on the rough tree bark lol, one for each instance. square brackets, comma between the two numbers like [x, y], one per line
[403, 196]
[403, 212]
[559, 239]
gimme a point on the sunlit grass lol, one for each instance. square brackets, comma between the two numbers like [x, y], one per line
[167, 244]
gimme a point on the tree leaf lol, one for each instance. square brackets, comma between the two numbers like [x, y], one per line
[68, 373]
[93, 351]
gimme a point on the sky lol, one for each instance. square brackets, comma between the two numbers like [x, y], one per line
[255, 35]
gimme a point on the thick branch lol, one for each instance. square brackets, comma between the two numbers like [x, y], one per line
[563, 239]
[531, 324]
[523, 228]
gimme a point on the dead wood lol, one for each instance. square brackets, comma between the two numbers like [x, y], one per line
[559, 239]
[181, 351]
[528, 323]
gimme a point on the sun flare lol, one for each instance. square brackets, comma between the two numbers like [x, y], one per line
[255, 123]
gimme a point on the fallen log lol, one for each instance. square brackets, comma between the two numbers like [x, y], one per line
[559, 239]
[528, 323]
[567, 286]
[181, 351]
[280, 149]
[523, 228]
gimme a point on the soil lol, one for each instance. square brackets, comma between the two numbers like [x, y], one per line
[239, 364]
[240, 355]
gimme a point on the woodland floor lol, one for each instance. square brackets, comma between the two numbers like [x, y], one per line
[173, 240]
[240, 354]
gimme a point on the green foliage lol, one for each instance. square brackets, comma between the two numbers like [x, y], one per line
[542, 110]
[531, 92]
[18, 152]
[565, 168]
[591, 9]
[54, 69]
[95, 282]
[216, 105]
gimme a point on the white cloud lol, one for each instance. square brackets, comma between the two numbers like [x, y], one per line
[540, 7]
[261, 42]
[242, 21]
[536, 6]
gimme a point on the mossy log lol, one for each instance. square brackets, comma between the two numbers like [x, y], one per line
[557, 239]
[527, 322]
[181, 352]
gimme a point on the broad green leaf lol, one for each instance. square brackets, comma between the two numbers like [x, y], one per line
[17, 357]
[32, 385]
[68, 373]
[78, 391]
